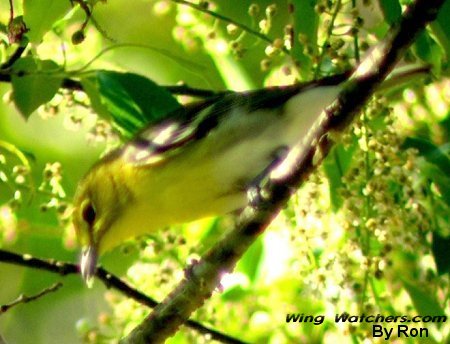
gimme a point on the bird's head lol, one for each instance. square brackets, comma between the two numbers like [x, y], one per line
[99, 203]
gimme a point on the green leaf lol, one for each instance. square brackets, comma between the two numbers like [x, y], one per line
[90, 86]
[428, 51]
[445, 124]
[130, 100]
[210, 235]
[437, 164]
[392, 10]
[441, 180]
[441, 27]
[423, 300]
[234, 294]
[34, 83]
[335, 166]
[40, 16]
[250, 261]
[441, 248]
[306, 23]
[430, 152]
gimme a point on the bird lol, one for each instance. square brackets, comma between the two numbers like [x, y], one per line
[197, 162]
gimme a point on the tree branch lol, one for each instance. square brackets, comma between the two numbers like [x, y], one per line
[15, 56]
[25, 299]
[110, 281]
[182, 90]
[205, 276]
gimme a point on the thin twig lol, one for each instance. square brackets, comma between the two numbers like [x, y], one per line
[328, 36]
[11, 11]
[231, 21]
[355, 38]
[25, 299]
[89, 17]
[14, 57]
[84, 6]
[110, 281]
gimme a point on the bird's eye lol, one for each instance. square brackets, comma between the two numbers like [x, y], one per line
[89, 214]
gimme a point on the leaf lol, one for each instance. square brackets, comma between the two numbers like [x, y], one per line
[441, 180]
[306, 23]
[445, 125]
[250, 261]
[130, 100]
[335, 166]
[423, 300]
[34, 83]
[234, 294]
[437, 164]
[441, 249]
[90, 86]
[441, 27]
[428, 51]
[210, 235]
[392, 10]
[430, 152]
[40, 16]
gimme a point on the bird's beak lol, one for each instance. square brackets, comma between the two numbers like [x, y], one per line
[88, 264]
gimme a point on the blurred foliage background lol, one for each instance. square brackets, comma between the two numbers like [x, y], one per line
[368, 233]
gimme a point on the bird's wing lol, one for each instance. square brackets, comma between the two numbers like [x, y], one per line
[155, 144]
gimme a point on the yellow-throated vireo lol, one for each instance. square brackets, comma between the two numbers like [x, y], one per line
[197, 163]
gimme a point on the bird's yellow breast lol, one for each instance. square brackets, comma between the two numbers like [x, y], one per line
[205, 177]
